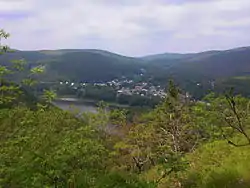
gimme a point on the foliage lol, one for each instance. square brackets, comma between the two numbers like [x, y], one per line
[104, 93]
[11, 92]
[218, 165]
[47, 147]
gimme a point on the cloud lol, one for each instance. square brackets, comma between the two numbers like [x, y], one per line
[127, 26]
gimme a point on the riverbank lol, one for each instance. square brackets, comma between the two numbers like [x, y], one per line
[70, 103]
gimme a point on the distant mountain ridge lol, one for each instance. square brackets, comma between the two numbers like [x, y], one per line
[186, 55]
[165, 56]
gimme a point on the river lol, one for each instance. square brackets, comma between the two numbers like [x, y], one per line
[71, 104]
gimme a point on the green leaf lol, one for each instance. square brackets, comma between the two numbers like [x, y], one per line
[37, 70]
[19, 64]
[4, 70]
[29, 82]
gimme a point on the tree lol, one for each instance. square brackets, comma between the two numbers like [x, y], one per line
[159, 138]
[10, 91]
[237, 117]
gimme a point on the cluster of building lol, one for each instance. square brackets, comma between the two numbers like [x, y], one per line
[143, 91]
[125, 87]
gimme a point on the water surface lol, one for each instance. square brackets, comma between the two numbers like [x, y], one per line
[73, 104]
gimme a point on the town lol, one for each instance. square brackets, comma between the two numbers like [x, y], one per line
[122, 91]
[122, 87]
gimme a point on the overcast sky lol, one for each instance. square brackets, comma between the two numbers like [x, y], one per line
[129, 27]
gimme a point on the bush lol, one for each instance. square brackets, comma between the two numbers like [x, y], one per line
[218, 165]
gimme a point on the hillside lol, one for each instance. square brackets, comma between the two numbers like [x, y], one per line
[210, 63]
[218, 64]
[98, 65]
[77, 64]
[190, 69]
[92, 65]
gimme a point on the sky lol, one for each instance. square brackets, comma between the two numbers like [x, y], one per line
[128, 27]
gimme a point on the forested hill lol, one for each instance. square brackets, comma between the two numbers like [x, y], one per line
[94, 65]
[218, 63]
[77, 64]
[99, 65]
[210, 63]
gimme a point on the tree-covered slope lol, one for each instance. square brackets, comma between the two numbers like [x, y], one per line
[94, 66]
[202, 68]
[86, 65]
[99, 65]
[210, 63]
[218, 64]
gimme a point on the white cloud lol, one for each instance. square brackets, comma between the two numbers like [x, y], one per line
[129, 27]
[15, 5]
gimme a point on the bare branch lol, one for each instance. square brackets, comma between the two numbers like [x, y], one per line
[239, 127]
[238, 145]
